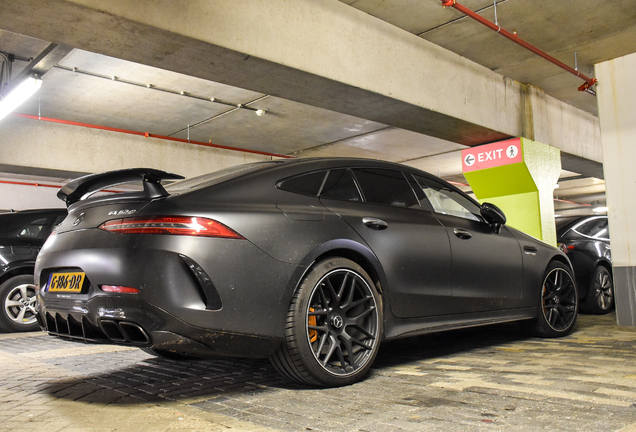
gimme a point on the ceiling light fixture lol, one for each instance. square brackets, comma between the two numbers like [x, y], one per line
[260, 112]
[18, 94]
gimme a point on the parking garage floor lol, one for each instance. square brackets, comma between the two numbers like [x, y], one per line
[493, 378]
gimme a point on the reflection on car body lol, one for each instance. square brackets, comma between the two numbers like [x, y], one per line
[310, 262]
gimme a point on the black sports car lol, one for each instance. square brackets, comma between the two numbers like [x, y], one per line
[310, 262]
[585, 240]
[22, 234]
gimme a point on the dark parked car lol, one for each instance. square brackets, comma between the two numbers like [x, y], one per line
[586, 242]
[22, 234]
[310, 262]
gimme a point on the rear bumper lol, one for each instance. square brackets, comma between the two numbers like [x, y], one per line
[143, 325]
[195, 295]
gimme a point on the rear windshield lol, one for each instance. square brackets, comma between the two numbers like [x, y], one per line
[213, 178]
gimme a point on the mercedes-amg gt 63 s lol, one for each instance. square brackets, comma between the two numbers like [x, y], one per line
[310, 262]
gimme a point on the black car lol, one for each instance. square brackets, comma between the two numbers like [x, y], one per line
[310, 262]
[22, 234]
[586, 242]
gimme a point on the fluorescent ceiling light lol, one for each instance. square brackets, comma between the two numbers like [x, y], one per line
[18, 94]
[600, 209]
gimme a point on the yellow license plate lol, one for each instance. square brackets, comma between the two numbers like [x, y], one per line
[66, 282]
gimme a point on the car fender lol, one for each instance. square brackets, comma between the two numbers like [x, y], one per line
[345, 248]
[16, 268]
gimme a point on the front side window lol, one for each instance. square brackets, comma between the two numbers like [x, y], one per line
[387, 187]
[448, 201]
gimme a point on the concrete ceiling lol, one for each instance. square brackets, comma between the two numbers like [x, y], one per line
[80, 88]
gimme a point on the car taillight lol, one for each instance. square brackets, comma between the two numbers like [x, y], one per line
[565, 248]
[119, 289]
[172, 225]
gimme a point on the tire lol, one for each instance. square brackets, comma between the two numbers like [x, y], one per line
[558, 302]
[600, 294]
[17, 305]
[333, 328]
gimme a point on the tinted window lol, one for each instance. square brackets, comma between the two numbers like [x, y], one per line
[306, 184]
[388, 187]
[340, 186]
[34, 230]
[448, 201]
[26, 226]
[596, 228]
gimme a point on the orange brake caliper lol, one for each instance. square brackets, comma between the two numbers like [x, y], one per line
[312, 321]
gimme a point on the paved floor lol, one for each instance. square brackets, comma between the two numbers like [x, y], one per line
[489, 379]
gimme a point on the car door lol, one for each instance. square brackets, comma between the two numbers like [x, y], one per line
[411, 244]
[486, 263]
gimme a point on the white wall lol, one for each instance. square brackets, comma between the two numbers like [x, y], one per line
[23, 197]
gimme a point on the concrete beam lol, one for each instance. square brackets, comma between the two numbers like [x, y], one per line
[66, 150]
[319, 52]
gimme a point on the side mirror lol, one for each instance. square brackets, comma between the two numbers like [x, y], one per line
[494, 216]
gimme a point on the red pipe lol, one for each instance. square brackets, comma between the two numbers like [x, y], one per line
[149, 135]
[44, 185]
[589, 82]
[28, 184]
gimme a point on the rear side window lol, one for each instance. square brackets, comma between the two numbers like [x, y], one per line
[306, 184]
[595, 228]
[387, 187]
[340, 186]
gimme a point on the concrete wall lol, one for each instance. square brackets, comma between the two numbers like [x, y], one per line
[28, 196]
[39, 144]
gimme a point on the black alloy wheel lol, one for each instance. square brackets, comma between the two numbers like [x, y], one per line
[334, 326]
[600, 297]
[558, 303]
[17, 302]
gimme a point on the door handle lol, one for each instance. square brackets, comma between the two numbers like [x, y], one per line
[530, 250]
[374, 223]
[462, 234]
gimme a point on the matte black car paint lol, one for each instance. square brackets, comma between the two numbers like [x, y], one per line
[413, 261]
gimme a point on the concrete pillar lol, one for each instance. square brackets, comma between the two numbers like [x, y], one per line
[616, 96]
[519, 176]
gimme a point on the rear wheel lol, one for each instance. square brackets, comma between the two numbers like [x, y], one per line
[17, 302]
[600, 295]
[558, 303]
[334, 326]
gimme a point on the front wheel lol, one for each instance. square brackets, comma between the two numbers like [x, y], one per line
[558, 303]
[333, 327]
[17, 302]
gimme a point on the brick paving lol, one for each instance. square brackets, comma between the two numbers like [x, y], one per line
[489, 379]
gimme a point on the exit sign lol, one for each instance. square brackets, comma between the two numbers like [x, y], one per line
[492, 155]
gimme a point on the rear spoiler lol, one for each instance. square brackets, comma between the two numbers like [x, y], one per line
[82, 187]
